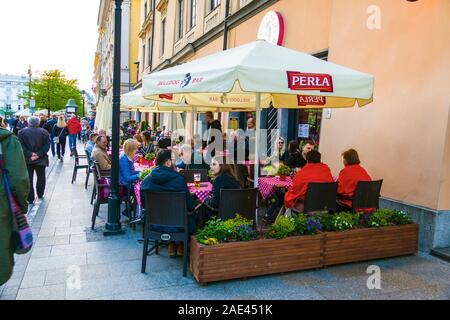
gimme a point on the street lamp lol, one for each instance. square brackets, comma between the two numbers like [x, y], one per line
[71, 107]
[113, 225]
[82, 92]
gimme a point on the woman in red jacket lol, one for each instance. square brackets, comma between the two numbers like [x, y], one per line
[348, 178]
[313, 171]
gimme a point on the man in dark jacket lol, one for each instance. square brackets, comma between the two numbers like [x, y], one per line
[19, 185]
[49, 127]
[35, 144]
[165, 179]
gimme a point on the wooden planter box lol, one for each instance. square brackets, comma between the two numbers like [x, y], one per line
[253, 258]
[370, 243]
[267, 256]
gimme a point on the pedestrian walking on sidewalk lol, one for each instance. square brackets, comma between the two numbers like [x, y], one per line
[74, 127]
[49, 127]
[60, 134]
[19, 184]
[35, 144]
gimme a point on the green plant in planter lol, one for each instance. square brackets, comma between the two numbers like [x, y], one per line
[307, 224]
[282, 227]
[213, 232]
[343, 221]
[239, 228]
[326, 220]
[399, 217]
[236, 229]
[284, 170]
[378, 219]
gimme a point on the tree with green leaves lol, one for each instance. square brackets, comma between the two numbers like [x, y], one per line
[52, 90]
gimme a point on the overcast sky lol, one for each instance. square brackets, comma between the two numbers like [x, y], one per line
[49, 34]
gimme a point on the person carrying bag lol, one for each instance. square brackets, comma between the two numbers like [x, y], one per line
[56, 139]
[14, 189]
[22, 237]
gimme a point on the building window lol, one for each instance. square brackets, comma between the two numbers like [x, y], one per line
[143, 57]
[163, 37]
[145, 11]
[180, 11]
[213, 4]
[192, 13]
[149, 46]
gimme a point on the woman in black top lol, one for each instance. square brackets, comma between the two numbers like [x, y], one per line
[60, 130]
[225, 179]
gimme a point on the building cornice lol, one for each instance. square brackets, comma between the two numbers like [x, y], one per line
[146, 25]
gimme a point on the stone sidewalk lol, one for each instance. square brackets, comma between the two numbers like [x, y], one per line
[65, 250]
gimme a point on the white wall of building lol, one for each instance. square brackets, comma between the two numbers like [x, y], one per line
[10, 87]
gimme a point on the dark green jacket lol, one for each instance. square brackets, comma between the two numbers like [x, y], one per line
[20, 186]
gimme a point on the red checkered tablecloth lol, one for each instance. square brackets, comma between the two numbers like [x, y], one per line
[137, 186]
[201, 193]
[268, 185]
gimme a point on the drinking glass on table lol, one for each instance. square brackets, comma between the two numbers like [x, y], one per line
[197, 179]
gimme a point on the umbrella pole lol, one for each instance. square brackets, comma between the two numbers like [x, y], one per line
[194, 113]
[258, 128]
[172, 128]
[257, 138]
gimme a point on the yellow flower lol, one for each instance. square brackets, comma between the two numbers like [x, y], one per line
[211, 241]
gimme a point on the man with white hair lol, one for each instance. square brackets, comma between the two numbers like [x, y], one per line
[35, 144]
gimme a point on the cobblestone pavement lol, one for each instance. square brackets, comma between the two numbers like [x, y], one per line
[109, 268]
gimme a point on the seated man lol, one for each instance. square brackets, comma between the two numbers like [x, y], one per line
[313, 171]
[100, 153]
[91, 144]
[348, 178]
[190, 159]
[165, 179]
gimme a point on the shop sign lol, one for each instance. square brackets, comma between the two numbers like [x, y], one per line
[271, 28]
[311, 100]
[182, 83]
[310, 81]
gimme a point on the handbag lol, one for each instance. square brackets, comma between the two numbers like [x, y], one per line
[56, 139]
[22, 237]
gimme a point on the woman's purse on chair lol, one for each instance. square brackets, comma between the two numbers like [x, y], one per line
[22, 237]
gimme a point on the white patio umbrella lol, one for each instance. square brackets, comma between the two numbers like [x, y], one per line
[99, 112]
[257, 74]
[26, 112]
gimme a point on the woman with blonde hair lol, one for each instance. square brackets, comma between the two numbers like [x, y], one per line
[60, 134]
[127, 174]
[279, 152]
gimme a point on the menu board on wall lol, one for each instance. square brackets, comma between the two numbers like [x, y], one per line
[303, 130]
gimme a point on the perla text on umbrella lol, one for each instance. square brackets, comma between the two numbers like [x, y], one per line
[310, 81]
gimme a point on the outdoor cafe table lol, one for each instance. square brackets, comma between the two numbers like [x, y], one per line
[201, 193]
[268, 185]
